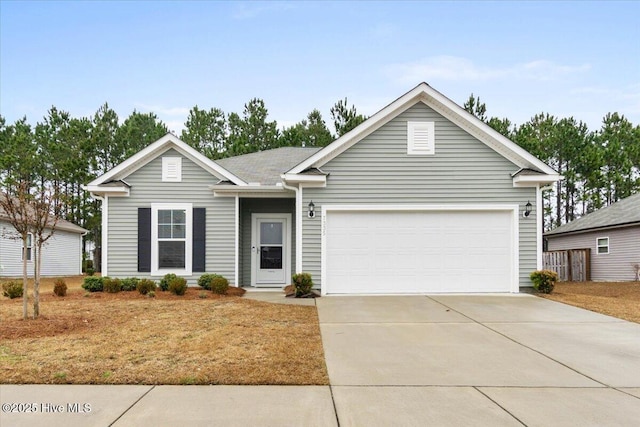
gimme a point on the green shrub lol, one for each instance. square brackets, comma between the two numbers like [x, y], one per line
[87, 263]
[178, 286]
[205, 280]
[60, 287]
[219, 285]
[129, 284]
[90, 271]
[544, 280]
[111, 285]
[12, 289]
[146, 286]
[151, 294]
[164, 282]
[302, 283]
[92, 284]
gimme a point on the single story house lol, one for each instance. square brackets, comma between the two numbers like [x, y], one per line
[61, 254]
[420, 198]
[613, 236]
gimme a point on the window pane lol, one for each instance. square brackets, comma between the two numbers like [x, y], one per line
[271, 257]
[271, 233]
[171, 254]
[29, 237]
[179, 231]
[603, 241]
[164, 231]
[179, 217]
[164, 217]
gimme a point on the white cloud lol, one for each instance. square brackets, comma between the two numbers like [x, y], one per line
[164, 111]
[453, 68]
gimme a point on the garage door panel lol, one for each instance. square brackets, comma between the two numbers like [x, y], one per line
[418, 252]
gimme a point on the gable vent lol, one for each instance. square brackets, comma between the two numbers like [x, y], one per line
[421, 138]
[172, 169]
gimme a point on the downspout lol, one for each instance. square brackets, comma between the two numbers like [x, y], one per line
[298, 191]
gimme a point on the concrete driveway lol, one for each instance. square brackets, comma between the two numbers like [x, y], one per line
[507, 360]
[478, 360]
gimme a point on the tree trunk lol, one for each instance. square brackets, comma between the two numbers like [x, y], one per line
[36, 281]
[25, 282]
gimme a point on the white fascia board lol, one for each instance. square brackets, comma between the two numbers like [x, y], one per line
[293, 178]
[122, 190]
[162, 145]
[251, 191]
[535, 180]
[443, 105]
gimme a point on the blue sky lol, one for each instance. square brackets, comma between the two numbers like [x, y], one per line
[579, 59]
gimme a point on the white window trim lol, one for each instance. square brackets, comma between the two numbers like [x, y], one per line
[430, 148]
[598, 246]
[188, 252]
[166, 163]
[29, 247]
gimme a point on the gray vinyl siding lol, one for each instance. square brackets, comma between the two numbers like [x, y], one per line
[377, 170]
[617, 265]
[61, 255]
[147, 188]
[251, 206]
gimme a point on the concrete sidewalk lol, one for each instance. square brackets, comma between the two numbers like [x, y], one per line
[414, 360]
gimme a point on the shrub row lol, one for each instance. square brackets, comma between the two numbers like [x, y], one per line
[170, 282]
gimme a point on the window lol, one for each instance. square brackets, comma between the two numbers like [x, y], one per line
[421, 138]
[29, 247]
[171, 239]
[172, 169]
[602, 245]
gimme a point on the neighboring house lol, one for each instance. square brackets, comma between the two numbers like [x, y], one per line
[420, 198]
[61, 254]
[613, 236]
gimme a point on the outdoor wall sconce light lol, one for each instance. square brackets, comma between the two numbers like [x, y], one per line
[527, 210]
[312, 210]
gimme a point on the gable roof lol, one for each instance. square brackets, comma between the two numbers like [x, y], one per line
[448, 109]
[266, 167]
[152, 151]
[621, 213]
[60, 225]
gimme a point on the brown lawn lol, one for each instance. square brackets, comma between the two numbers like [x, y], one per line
[618, 299]
[128, 338]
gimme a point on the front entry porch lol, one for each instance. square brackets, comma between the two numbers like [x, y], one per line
[267, 242]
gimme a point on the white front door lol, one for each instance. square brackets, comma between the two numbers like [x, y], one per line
[270, 249]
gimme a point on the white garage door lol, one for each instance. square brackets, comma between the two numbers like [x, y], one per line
[382, 252]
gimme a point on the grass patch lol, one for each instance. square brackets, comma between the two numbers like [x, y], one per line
[127, 338]
[617, 299]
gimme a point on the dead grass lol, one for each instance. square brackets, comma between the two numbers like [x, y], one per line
[618, 299]
[128, 338]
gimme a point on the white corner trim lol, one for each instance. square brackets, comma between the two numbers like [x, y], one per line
[104, 245]
[539, 215]
[237, 237]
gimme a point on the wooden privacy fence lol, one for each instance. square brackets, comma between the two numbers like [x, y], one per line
[572, 265]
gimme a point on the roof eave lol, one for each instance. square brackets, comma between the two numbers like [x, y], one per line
[552, 233]
[535, 180]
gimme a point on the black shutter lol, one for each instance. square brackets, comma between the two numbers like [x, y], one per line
[199, 240]
[144, 240]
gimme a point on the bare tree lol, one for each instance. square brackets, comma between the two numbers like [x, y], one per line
[32, 211]
[15, 209]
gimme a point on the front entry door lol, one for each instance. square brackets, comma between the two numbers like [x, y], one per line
[271, 250]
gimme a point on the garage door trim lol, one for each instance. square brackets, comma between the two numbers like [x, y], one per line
[513, 209]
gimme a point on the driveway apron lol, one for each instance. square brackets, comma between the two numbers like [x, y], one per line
[478, 360]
